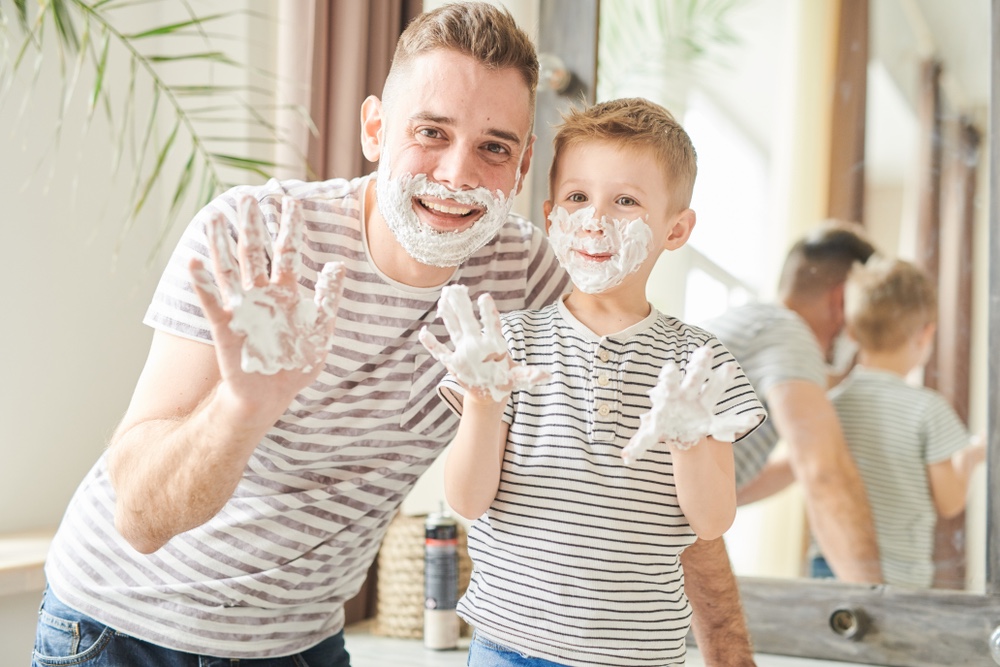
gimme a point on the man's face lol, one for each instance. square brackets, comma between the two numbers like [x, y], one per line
[453, 144]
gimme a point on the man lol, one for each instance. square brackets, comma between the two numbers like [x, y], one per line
[234, 512]
[783, 348]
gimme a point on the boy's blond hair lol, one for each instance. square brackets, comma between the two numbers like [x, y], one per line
[633, 123]
[487, 33]
[886, 301]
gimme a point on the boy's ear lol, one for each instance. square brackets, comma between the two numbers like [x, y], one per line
[371, 128]
[680, 230]
[547, 211]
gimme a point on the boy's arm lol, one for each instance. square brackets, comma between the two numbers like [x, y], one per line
[717, 622]
[472, 467]
[706, 486]
[949, 479]
[775, 476]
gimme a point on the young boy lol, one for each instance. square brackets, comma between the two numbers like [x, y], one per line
[578, 529]
[912, 450]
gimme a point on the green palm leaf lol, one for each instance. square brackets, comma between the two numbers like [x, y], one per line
[200, 121]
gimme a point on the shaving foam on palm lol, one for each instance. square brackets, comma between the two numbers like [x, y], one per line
[683, 407]
[480, 360]
[395, 197]
[281, 330]
[623, 244]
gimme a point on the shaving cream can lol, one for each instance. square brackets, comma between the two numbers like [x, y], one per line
[440, 582]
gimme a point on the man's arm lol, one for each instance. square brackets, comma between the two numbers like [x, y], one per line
[196, 415]
[718, 623]
[184, 442]
[836, 502]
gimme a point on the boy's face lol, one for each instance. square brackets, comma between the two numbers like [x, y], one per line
[622, 185]
[453, 144]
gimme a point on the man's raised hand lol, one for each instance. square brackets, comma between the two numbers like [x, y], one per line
[262, 316]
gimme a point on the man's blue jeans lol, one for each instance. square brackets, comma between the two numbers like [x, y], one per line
[67, 637]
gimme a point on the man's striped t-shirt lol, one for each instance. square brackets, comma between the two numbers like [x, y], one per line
[268, 575]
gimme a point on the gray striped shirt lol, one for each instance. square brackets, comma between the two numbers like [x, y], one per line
[268, 575]
[578, 558]
[895, 430]
[773, 345]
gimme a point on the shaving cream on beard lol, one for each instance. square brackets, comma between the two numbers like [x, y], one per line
[426, 245]
[627, 243]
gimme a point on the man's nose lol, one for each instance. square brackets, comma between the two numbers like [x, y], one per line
[457, 168]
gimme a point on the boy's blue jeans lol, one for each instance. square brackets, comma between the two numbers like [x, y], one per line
[484, 653]
[67, 637]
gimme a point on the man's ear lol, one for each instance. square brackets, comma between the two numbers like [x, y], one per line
[371, 128]
[547, 211]
[680, 230]
[525, 163]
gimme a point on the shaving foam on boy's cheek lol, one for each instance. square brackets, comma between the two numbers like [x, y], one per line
[429, 246]
[627, 243]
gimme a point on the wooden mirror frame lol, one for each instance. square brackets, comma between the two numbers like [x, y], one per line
[875, 624]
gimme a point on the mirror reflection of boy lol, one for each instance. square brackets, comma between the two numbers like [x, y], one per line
[576, 552]
[913, 451]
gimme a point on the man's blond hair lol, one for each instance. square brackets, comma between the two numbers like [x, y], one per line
[633, 124]
[887, 301]
[487, 33]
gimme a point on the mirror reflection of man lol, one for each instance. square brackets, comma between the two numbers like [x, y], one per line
[234, 513]
[784, 349]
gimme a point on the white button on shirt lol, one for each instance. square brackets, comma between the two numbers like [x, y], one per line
[603, 380]
[603, 410]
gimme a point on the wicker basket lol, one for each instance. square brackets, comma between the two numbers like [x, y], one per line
[400, 594]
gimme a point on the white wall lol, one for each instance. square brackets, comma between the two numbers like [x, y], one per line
[73, 294]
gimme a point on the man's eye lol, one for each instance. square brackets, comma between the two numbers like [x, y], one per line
[429, 132]
[499, 149]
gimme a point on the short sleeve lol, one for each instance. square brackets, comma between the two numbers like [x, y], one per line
[944, 431]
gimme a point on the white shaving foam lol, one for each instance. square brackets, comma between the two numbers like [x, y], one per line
[284, 331]
[423, 243]
[628, 243]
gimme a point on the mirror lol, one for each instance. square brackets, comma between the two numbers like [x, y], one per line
[757, 84]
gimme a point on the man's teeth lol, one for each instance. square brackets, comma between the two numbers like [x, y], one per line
[449, 210]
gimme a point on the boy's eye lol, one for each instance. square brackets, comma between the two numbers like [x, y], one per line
[577, 198]
[625, 200]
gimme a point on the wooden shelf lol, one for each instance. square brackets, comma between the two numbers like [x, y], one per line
[22, 558]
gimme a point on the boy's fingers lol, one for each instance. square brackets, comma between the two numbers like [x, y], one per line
[490, 317]
[252, 248]
[437, 349]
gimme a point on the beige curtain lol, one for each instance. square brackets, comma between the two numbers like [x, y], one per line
[331, 55]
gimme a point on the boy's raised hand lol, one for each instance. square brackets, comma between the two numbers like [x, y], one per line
[480, 362]
[260, 323]
[683, 410]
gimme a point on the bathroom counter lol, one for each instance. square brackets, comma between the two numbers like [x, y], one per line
[368, 650]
